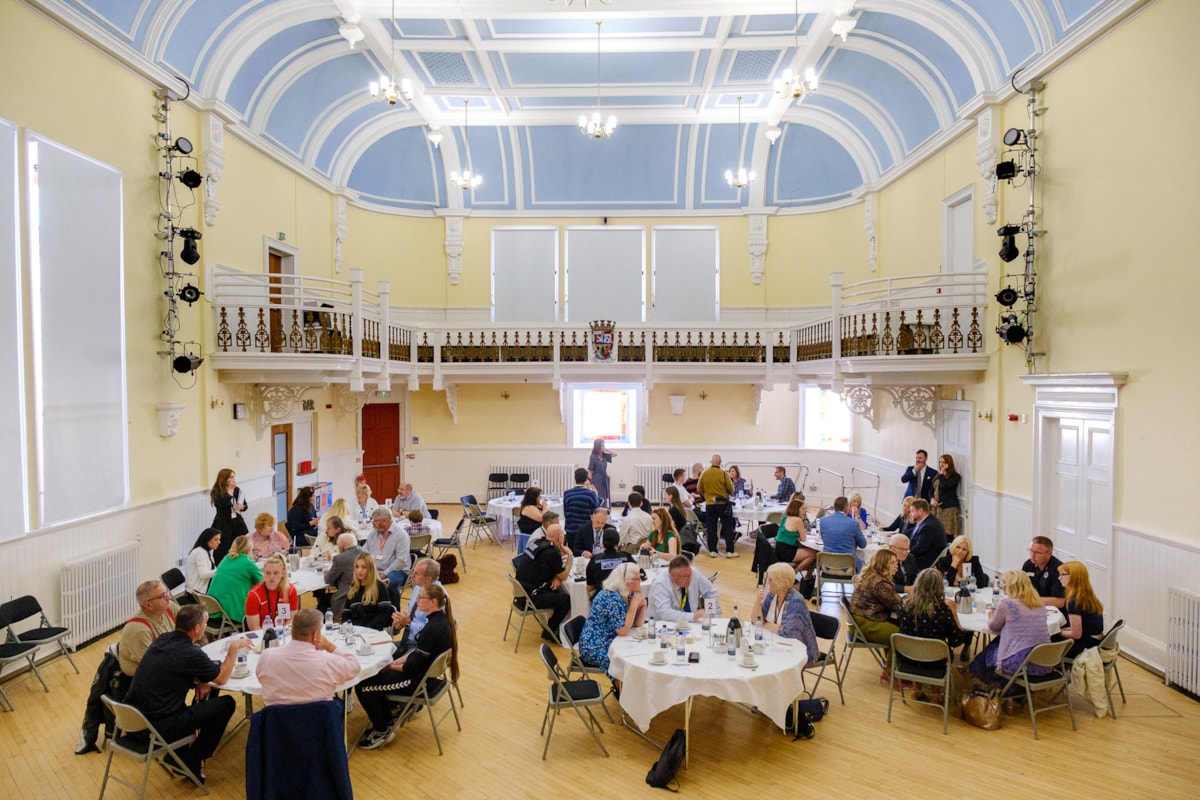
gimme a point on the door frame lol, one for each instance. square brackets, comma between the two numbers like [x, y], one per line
[964, 491]
[286, 429]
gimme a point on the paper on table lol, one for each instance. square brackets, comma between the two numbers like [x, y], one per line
[378, 637]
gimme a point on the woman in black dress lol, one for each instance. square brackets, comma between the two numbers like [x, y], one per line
[226, 498]
[404, 674]
[301, 520]
[945, 496]
[598, 466]
[529, 515]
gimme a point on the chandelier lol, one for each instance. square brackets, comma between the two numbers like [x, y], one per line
[595, 128]
[741, 179]
[386, 87]
[793, 85]
[466, 180]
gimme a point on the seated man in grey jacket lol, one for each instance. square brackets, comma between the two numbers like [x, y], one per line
[341, 571]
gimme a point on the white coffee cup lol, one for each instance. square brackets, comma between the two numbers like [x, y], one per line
[365, 649]
[658, 657]
[748, 659]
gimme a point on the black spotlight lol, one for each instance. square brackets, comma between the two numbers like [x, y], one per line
[1008, 247]
[1014, 137]
[186, 363]
[192, 179]
[184, 146]
[1006, 170]
[189, 253]
[190, 294]
[1006, 297]
[1010, 329]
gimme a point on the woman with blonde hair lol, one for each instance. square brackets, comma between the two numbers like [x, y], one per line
[959, 564]
[944, 500]
[267, 540]
[339, 508]
[875, 604]
[856, 512]
[1020, 619]
[1084, 612]
[619, 607]
[235, 576]
[365, 594]
[273, 596]
[784, 611]
[364, 504]
[903, 523]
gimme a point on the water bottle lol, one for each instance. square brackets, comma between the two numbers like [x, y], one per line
[268, 623]
[758, 629]
[329, 622]
[268, 632]
[680, 649]
[651, 630]
[734, 632]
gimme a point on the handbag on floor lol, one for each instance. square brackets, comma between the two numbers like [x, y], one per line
[662, 773]
[982, 710]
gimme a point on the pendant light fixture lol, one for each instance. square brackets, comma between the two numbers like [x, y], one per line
[595, 128]
[741, 179]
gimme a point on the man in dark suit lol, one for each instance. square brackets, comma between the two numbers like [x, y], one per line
[919, 478]
[928, 536]
[341, 571]
[906, 570]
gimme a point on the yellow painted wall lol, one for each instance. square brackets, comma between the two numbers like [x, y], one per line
[802, 249]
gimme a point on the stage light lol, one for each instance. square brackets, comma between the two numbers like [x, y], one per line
[192, 179]
[189, 253]
[1008, 245]
[186, 363]
[1006, 170]
[1013, 137]
[1010, 329]
[190, 294]
[182, 146]
[1007, 297]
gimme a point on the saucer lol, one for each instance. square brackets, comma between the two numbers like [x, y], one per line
[241, 671]
[659, 662]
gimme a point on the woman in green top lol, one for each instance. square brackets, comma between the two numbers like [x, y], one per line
[236, 575]
[664, 540]
[792, 531]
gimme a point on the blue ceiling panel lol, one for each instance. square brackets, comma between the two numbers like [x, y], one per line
[192, 31]
[637, 168]
[344, 130]
[399, 166]
[924, 43]
[490, 152]
[717, 151]
[778, 23]
[426, 28]
[753, 65]
[118, 16]
[447, 69]
[1004, 22]
[269, 56]
[1073, 11]
[587, 103]
[891, 89]
[318, 89]
[537, 69]
[522, 28]
[810, 167]
[859, 122]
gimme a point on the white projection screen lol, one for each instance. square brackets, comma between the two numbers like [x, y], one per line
[686, 276]
[606, 273]
[13, 485]
[524, 274]
[77, 297]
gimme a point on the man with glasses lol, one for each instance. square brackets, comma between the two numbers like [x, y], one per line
[1042, 569]
[906, 570]
[679, 593]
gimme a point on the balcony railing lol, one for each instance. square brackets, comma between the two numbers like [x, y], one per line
[282, 318]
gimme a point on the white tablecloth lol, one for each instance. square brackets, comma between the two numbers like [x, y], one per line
[581, 604]
[978, 621]
[748, 513]
[435, 529]
[647, 689]
[502, 509]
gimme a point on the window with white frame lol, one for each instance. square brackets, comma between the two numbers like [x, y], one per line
[825, 420]
[610, 411]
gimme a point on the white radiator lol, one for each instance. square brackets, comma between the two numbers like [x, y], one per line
[1183, 639]
[98, 591]
[555, 478]
[651, 476]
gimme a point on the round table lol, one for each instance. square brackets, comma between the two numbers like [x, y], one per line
[977, 621]
[501, 508]
[581, 603]
[648, 689]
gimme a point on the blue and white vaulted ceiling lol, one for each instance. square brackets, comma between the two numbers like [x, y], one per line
[281, 71]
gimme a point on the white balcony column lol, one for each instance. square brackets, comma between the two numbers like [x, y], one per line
[385, 370]
[758, 246]
[454, 247]
[356, 373]
[836, 279]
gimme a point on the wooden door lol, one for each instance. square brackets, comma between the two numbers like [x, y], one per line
[381, 432]
[281, 465]
[275, 294]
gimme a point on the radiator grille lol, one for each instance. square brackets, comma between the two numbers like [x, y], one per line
[550, 477]
[651, 476]
[98, 591]
[1183, 639]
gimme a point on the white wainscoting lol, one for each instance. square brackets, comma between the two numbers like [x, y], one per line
[1001, 527]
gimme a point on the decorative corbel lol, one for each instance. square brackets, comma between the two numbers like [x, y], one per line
[169, 415]
[758, 246]
[454, 248]
[871, 228]
[212, 140]
[985, 159]
[452, 400]
[269, 404]
[918, 403]
[346, 402]
[339, 231]
[861, 401]
[757, 388]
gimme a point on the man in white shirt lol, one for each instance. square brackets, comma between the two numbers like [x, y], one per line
[679, 593]
[636, 524]
[685, 496]
[425, 572]
[308, 669]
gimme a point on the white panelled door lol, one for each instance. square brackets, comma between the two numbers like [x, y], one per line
[956, 436]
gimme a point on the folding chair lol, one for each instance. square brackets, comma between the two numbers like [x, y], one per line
[213, 607]
[411, 705]
[16, 651]
[1053, 655]
[764, 553]
[418, 544]
[924, 661]
[855, 640]
[837, 568]
[518, 482]
[479, 524]
[825, 627]
[175, 582]
[21, 609]
[578, 695]
[1110, 651]
[142, 750]
[522, 605]
[572, 629]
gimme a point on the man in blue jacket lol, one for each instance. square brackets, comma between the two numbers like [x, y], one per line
[578, 504]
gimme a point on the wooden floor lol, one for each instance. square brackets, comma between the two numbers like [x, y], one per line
[1150, 751]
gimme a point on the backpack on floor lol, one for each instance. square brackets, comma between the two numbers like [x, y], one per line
[662, 773]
